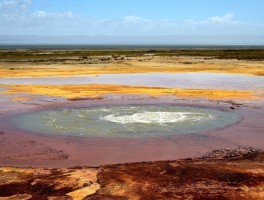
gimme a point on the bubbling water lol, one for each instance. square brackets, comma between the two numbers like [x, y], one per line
[125, 121]
[153, 117]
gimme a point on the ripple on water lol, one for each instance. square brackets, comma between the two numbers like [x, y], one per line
[125, 121]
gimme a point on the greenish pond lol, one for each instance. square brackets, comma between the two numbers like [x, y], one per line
[125, 121]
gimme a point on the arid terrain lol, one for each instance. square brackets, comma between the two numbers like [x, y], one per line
[225, 163]
[17, 63]
[227, 174]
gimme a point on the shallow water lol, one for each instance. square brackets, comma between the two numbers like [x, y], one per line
[168, 80]
[125, 121]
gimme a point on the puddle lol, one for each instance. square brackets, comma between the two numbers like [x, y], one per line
[167, 80]
[125, 121]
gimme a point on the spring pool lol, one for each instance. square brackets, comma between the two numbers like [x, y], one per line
[125, 121]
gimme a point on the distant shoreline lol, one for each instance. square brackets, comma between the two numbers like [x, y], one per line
[36, 46]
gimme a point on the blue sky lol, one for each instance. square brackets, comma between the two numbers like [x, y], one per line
[245, 10]
[132, 17]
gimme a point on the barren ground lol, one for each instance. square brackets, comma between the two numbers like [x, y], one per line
[220, 164]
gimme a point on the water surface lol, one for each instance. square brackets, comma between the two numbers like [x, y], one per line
[125, 121]
[199, 80]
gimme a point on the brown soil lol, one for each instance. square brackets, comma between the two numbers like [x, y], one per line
[224, 174]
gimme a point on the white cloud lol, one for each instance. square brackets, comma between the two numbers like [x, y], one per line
[40, 13]
[18, 9]
[133, 19]
[13, 5]
[135, 25]
[222, 19]
[43, 14]
[16, 19]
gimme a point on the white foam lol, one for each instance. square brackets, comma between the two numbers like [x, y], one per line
[147, 117]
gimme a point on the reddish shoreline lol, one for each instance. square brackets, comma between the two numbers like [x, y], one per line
[21, 148]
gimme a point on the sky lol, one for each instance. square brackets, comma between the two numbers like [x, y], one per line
[133, 18]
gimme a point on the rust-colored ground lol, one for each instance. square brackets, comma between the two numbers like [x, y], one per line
[224, 174]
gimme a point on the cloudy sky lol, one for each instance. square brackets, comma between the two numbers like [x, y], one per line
[238, 18]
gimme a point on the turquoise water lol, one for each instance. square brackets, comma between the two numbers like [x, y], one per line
[125, 121]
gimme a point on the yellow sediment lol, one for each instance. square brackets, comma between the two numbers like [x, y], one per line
[20, 99]
[83, 182]
[84, 176]
[84, 192]
[99, 90]
[158, 64]
[10, 174]
[17, 197]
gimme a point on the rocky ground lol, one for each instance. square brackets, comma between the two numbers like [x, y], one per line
[222, 174]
